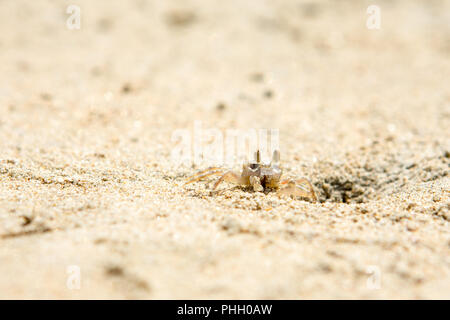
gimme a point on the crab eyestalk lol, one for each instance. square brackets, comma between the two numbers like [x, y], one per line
[258, 157]
[276, 157]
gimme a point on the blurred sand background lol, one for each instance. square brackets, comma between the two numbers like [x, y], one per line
[87, 116]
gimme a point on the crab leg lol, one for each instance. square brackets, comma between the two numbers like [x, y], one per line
[203, 174]
[206, 170]
[230, 176]
[301, 188]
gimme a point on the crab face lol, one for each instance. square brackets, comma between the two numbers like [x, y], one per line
[268, 175]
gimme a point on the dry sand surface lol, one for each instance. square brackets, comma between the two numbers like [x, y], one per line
[86, 175]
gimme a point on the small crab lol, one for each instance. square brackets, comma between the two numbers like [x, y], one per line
[261, 176]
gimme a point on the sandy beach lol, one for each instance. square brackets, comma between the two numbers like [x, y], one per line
[93, 205]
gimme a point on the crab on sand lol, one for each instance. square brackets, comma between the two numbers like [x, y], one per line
[261, 177]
